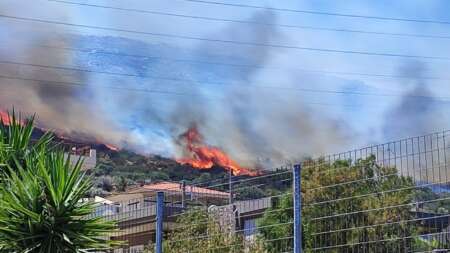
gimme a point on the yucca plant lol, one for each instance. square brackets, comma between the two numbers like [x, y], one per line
[16, 142]
[41, 198]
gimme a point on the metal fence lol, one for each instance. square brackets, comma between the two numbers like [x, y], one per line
[393, 197]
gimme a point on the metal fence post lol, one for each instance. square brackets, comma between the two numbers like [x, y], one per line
[159, 221]
[230, 187]
[183, 194]
[297, 171]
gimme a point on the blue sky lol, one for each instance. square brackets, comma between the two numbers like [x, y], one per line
[240, 112]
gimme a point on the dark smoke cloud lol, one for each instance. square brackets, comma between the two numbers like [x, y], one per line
[60, 107]
[415, 113]
[258, 127]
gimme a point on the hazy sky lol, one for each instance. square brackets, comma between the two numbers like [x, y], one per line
[362, 118]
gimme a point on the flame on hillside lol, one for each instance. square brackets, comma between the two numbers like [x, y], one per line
[111, 147]
[202, 156]
[6, 118]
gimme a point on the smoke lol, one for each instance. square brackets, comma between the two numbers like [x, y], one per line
[416, 112]
[60, 107]
[256, 126]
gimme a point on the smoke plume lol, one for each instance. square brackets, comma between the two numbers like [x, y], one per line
[416, 112]
[153, 103]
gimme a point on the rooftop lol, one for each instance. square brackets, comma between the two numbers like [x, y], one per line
[171, 187]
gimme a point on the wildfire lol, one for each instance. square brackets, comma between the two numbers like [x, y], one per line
[111, 147]
[4, 117]
[203, 156]
[7, 120]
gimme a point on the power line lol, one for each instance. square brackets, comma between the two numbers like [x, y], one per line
[441, 22]
[233, 42]
[80, 85]
[67, 68]
[303, 27]
[315, 71]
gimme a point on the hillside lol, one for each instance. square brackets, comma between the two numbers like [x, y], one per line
[139, 168]
[119, 169]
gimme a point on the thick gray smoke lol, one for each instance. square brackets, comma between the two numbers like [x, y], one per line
[416, 112]
[61, 107]
[257, 126]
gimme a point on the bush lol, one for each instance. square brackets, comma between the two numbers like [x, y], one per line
[41, 197]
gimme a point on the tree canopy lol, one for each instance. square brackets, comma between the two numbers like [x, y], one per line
[345, 208]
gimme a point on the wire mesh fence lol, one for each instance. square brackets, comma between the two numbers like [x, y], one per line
[393, 197]
[234, 216]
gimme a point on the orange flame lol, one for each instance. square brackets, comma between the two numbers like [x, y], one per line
[111, 147]
[7, 119]
[203, 156]
[4, 117]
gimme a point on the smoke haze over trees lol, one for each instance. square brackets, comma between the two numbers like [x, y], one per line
[249, 109]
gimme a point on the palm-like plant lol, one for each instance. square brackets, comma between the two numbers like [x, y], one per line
[15, 140]
[41, 198]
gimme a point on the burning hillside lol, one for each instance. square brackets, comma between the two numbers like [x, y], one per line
[4, 117]
[202, 156]
[72, 141]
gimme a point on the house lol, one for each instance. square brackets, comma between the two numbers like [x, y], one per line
[86, 154]
[242, 216]
[135, 210]
[179, 193]
[249, 211]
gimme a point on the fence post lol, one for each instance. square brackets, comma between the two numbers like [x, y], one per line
[159, 221]
[183, 194]
[297, 171]
[230, 187]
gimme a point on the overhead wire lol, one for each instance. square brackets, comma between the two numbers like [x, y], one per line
[236, 65]
[346, 15]
[227, 41]
[76, 84]
[251, 22]
[252, 85]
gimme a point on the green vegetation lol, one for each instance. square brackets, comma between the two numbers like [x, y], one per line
[345, 223]
[43, 207]
[199, 232]
[127, 168]
[41, 197]
[358, 186]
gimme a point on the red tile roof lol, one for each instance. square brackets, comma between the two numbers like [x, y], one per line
[177, 188]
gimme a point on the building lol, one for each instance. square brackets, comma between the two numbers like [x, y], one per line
[135, 210]
[87, 154]
[180, 193]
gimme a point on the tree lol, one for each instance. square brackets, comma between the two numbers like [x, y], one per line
[334, 213]
[41, 197]
[106, 183]
[121, 183]
[245, 193]
[199, 232]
